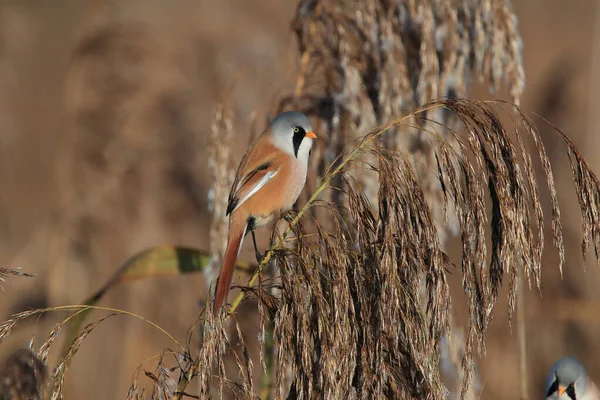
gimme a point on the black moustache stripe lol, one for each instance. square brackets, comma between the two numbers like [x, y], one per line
[297, 140]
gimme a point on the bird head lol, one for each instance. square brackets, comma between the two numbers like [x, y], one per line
[567, 380]
[292, 132]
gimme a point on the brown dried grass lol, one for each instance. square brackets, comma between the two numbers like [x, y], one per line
[22, 376]
[351, 320]
[372, 264]
[6, 273]
[364, 63]
[362, 300]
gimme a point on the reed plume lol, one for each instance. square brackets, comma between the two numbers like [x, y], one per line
[360, 304]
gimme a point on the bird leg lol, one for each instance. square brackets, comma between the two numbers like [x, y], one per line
[259, 256]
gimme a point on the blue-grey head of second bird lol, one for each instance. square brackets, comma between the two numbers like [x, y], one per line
[567, 380]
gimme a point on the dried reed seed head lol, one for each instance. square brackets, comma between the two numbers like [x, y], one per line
[364, 63]
[244, 363]
[57, 378]
[223, 174]
[164, 382]
[45, 348]
[22, 376]
[353, 317]
[133, 393]
[6, 273]
[213, 348]
[6, 327]
[349, 323]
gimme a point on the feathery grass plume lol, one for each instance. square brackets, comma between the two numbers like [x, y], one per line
[6, 327]
[164, 384]
[209, 365]
[45, 347]
[586, 184]
[213, 347]
[134, 392]
[246, 365]
[364, 63]
[22, 376]
[451, 355]
[6, 273]
[58, 374]
[352, 319]
[223, 174]
[357, 321]
[162, 377]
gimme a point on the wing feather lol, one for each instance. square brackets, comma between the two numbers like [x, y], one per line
[250, 184]
[258, 166]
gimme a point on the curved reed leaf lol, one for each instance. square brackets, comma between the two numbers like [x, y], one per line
[158, 261]
[163, 260]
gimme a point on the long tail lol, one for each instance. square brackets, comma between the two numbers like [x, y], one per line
[237, 232]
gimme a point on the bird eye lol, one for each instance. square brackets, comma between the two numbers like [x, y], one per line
[296, 129]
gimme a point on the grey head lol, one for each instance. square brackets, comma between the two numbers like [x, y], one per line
[292, 132]
[567, 380]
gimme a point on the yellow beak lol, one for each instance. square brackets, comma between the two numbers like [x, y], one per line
[561, 390]
[311, 134]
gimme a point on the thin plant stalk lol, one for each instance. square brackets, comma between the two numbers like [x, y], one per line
[522, 337]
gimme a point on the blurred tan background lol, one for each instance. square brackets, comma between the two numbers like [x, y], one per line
[82, 192]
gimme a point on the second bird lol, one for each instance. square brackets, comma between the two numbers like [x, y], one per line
[267, 183]
[568, 380]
